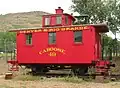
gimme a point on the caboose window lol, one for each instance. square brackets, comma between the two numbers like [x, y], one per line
[58, 20]
[77, 36]
[29, 39]
[52, 37]
[47, 21]
[66, 19]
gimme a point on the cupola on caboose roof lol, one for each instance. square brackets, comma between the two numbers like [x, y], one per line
[57, 19]
[59, 10]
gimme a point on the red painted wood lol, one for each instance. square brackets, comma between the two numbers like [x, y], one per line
[59, 12]
[74, 53]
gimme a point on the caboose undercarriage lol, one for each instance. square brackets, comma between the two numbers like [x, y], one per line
[77, 69]
[95, 68]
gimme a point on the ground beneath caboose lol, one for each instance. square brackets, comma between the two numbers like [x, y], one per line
[55, 84]
[49, 83]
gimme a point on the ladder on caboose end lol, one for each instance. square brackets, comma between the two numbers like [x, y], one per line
[12, 66]
[13, 63]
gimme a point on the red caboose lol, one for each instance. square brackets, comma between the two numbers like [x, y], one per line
[58, 44]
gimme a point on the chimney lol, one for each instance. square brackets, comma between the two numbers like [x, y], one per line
[59, 10]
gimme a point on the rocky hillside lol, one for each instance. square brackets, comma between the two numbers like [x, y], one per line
[21, 20]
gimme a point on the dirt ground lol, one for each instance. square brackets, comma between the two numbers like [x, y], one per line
[53, 84]
[48, 84]
[3, 67]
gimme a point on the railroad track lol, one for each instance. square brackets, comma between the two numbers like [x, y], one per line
[65, 73]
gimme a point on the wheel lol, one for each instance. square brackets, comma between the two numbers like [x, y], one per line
[80, 71]
[39, 70]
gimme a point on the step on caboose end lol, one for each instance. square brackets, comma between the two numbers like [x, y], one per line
[8, 75]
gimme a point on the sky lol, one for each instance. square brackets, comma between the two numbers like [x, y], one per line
[14, 6]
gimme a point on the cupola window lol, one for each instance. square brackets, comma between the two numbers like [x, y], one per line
[47, 21]
[66, 19]
[58, 20]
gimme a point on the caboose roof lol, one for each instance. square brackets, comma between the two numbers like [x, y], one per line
[60, 14]
[101, 28]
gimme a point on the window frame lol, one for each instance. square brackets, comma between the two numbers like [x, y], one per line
[28, 38]
[53, 38]
[45, 21]
[66, 20]
[59, 20]
[81, 37]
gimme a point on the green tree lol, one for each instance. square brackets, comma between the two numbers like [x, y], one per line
[7, 40]
[101, 11]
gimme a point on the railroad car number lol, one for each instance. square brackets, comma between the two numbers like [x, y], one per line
[52, 54]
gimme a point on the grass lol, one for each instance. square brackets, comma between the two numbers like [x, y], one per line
[73, 79]
[28, 78]
[4, 86]
[18, 26]
[70, 79]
